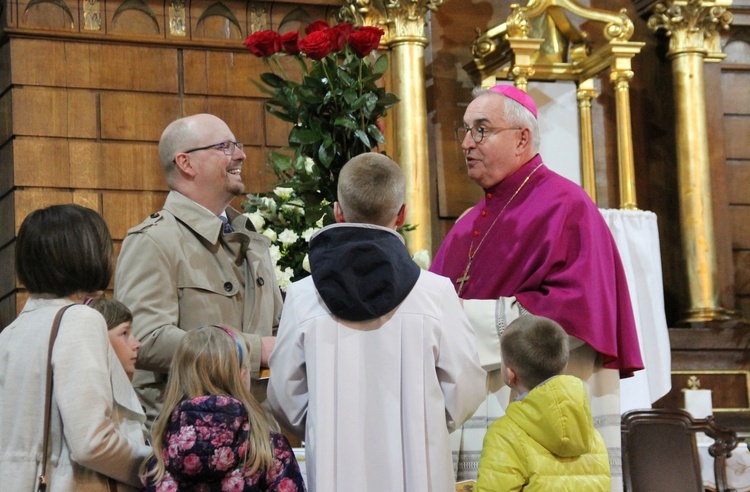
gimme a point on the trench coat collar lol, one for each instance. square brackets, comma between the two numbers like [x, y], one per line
[197, 217]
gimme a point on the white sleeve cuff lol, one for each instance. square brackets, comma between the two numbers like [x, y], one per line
[489, 319]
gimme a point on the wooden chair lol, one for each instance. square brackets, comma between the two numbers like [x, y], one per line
[659, 451]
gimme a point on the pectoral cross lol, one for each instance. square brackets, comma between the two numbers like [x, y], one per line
[460, 281]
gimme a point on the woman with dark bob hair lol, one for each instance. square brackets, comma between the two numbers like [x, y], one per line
[64, 255]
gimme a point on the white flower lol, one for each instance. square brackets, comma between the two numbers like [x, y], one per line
[283, 193]
[257, 220]
[324, 202]
[275, 253]
[268, 204]
[288, 236]
[299, 206]
[295, 207]
[284, 277]
[306, 264]
[319, 223]
[422, 258]
[309, 165]
[307, 233]
[270, 234]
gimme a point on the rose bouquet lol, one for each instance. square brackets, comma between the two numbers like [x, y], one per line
[334, 109]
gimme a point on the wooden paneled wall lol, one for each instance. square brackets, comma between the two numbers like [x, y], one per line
[82, 110]
[736, 111]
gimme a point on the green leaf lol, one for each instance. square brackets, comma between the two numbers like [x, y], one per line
[273, 80]
[375, 133]
[389, 100]
[300, 136]
[324, 156]
[281, 115]
[347, 122]
[363, 137]
[381, 65]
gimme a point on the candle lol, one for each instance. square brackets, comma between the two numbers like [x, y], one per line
[698, 403]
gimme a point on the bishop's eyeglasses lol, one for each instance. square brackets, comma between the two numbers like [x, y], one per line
[228, 147]
[478, 132]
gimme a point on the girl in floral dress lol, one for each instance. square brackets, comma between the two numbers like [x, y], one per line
[211, 434]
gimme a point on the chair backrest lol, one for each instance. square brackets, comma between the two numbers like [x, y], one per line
[659, 451]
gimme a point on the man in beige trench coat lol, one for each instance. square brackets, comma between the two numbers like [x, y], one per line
[197, 261]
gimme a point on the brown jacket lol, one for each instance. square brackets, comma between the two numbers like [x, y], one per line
[178, 271]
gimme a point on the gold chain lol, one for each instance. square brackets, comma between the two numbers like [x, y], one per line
[465, 277]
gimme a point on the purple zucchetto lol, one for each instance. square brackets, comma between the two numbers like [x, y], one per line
[517, 95]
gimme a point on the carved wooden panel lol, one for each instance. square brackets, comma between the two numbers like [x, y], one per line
[740, 219]
[137, 116]
[115, 166]
[729, 389]
[737, 128]
[41, 162]
[52, 112]
[742, 273]
[8, 220]
[6, 169]
[123, 210]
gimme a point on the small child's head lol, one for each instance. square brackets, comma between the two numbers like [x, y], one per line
[212, 360]
[533, 350]
[371, 190]
[119, 321]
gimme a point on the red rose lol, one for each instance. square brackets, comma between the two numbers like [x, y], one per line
[339, 35]
[316, 26]
[365, 39]
[289, 43]
[316, 45]
[263, 43]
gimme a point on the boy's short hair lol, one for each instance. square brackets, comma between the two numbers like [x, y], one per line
[371, 189]
[536, 348]
[115, 313]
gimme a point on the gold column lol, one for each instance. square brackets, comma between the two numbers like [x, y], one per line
[404, 22]
[411, 140]
[584, 95]
[621, 80]
[692, 29]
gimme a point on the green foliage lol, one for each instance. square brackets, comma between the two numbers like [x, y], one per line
[334, 108]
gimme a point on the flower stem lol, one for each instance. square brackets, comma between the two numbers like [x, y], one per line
[359, 82]
[281, 67]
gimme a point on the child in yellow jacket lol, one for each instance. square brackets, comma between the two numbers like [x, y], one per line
[546, 440]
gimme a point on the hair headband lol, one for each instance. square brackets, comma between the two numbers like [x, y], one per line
[231, 334]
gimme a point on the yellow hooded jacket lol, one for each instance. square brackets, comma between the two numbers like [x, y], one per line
[546, 441]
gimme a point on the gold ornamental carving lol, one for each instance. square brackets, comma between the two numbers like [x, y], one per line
[402, 20]
[692, 25]
[92, 15]
[177, 23]
[258, 18]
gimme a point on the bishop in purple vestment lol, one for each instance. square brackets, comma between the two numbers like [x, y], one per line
[537, 238]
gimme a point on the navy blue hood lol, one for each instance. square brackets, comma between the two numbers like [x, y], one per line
[361, 271]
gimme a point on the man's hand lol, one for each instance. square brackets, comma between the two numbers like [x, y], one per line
[266, 347]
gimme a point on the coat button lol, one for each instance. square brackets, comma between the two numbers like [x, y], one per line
[260, 281]
[154, 215]
[228, 286]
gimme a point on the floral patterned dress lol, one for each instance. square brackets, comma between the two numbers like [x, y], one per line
[205, 445]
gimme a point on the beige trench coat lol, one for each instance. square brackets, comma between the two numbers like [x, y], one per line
[177, 271]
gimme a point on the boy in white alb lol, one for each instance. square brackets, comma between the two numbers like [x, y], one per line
[375, 361]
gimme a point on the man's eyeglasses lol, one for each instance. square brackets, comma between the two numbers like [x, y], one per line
[227, 147]
[479, 132]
